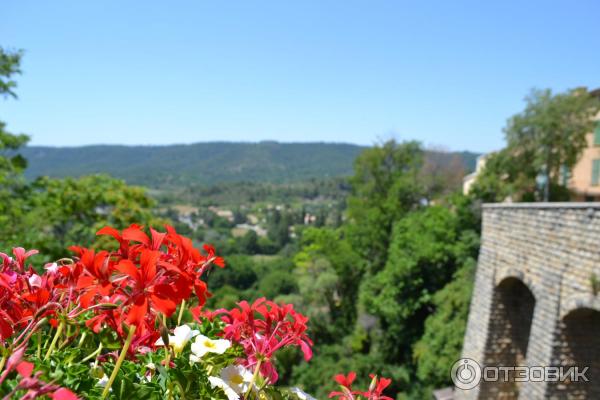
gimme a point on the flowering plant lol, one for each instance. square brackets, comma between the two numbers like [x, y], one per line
[130, 323]
[374, 392]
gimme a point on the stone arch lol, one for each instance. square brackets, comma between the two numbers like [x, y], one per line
[573, 303]
[577, 344]
[505, 273]
[511, 315]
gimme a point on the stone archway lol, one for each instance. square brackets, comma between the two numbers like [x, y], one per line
[509, 327]
[578, 344]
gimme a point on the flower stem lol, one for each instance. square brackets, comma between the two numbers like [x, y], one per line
[119, 361]
[254, 377]
[39, 344]
[59, 330]
[82, 339]
[182, 307]
[93, 354]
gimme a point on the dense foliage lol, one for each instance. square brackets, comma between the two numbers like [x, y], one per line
[378, 286]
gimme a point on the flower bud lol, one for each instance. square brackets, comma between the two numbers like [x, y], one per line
[164, 334]
[373, 384]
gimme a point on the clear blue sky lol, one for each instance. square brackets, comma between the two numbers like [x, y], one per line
[447, 73]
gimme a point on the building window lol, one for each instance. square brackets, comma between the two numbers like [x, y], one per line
[597, 134]
[595, 172]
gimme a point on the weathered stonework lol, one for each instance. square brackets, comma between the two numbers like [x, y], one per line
[534, 302]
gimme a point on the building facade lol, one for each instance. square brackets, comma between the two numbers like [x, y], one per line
[469, 180]
[584, 179]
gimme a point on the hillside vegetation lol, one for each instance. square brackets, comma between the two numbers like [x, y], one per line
[205, 163]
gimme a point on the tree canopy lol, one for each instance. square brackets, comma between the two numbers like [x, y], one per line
[548, 136]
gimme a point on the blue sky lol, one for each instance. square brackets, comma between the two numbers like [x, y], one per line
[447, 73]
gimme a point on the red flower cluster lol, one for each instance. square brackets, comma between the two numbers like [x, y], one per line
[147, 276]
[375, 391]
[130, 291]
[25, 297]
[264, 327]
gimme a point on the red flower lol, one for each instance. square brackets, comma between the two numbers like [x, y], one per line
[149, 275]
[346, 381]
[346, 384]
[376, 388]
[375, 391]
[145, 290]
[96, 277]
[21, 255]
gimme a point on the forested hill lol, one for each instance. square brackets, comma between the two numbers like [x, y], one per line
[204, 163]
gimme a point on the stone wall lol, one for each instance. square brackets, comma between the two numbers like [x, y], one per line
[535, 279]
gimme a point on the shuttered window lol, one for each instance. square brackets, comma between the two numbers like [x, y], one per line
[597, 134]
[595, 172]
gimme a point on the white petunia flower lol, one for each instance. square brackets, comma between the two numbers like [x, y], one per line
[220, 383]
[203, 345]
[181, 335]
[302, 395]
[234, 380]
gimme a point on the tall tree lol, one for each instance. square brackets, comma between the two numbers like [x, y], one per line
[385, 186]
[11, 164]
[550, 134]
[9, 67]
[10, 62]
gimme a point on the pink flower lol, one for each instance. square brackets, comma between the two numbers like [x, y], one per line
[263, 328]
[21, 255]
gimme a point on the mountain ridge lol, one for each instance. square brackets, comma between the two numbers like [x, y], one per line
[206, 163]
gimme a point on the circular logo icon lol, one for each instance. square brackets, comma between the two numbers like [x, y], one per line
[465, 373]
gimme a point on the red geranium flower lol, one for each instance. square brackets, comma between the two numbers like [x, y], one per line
[145, 290]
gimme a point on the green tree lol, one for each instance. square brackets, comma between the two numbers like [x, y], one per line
[328, 278]
[10, 62]
[61, 212]
[505, 178]
[277, 283]
[427, 248]
[278, 225]
[545, 138]
[441, 343]
[385, 187]
[249, 243]
[239, 274]
[11, 164]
